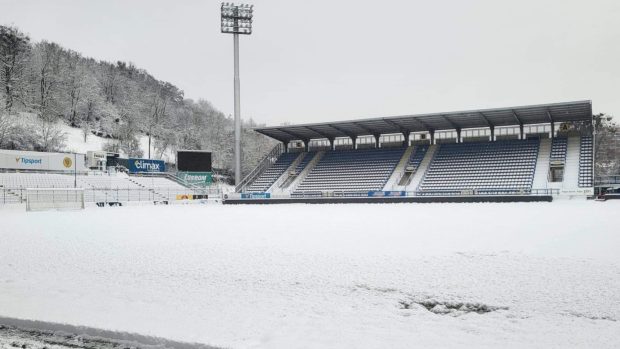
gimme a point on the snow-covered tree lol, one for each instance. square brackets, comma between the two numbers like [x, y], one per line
[14, 50]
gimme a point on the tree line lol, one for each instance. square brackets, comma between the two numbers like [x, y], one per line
[115, 100]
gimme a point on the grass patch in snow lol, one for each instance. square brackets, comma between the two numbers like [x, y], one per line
[448, 307]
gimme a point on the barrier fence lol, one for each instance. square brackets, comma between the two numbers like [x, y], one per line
[120, 195]
[607, 180]
[365, 194]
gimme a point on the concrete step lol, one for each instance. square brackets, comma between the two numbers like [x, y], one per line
[399, 170]
[571, 169]
[419, 174]
[541, 172]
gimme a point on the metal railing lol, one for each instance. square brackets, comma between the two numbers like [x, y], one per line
[304, 173]
[108, 195]
[604, 180]
[287, 173]
[416, 193]
[269, 159]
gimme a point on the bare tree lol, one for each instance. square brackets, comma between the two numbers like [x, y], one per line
[165, 97]
[46, 80]
[606, 147]
[74, 78]
[14, 47]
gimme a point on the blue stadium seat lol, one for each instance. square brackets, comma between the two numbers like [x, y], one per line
[486, 167]
[267, 178]
[352, 170]
[307, 157]
[416, 157]
[558, 150]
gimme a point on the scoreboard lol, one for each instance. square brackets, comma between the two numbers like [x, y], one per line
[193, 161]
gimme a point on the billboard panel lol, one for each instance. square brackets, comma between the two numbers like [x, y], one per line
[386, 193]
[193, 161]
[192, 196]
[196, 178]
[255, 195]
[145, 165]
[31, 160]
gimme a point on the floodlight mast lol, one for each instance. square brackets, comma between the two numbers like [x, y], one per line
[237, 19]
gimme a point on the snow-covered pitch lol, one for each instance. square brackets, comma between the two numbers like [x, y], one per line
[506, 275]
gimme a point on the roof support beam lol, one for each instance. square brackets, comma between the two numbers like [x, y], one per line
[552, 121]
[423, 124]
[491, 126]
[514, 114]
[549, 116]
[455, 126]
[347, 133]
[452, 124]
[405, 131]
[273, 136]
[521, 132]
[370, 132]
[484, 117]
[402, 129]
[318, 132]
[295, 136]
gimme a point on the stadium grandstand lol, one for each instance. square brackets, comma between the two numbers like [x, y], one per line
[26, 176]
[524, 153]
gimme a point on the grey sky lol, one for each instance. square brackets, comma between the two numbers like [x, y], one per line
[330, 60]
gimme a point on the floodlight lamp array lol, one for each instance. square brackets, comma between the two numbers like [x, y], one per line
[237, 19]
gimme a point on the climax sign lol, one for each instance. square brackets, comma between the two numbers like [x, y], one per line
[146, 165]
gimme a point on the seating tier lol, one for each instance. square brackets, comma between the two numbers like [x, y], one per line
[352, 170]
[502, 166]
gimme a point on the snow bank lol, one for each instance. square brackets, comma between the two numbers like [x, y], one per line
[323, 276]
[75, 143]
[75, 140]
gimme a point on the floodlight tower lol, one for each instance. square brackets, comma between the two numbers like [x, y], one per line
[237, 19]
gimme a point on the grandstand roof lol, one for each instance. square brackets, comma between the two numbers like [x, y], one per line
[512, 116]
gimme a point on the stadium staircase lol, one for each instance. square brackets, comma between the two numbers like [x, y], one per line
[288, 177]
[571, 169]
[263, 165]
[585, 162]
[399, 171]
[156, 194]
[302, 175]
[266, 179]
[541, 173]
[417, 177]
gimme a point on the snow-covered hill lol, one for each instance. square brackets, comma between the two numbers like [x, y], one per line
[74, 137]
[75, 143]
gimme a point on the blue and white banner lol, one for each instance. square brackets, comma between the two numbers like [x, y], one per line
[30, 160]
[386, 193]
[255, 195]
[145, 165]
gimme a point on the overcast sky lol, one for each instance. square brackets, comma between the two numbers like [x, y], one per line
[331, 60]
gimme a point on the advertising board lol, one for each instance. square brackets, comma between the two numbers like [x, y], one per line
[255, 195]
[196, 178]
[31, 160]
[145, 165]
[386, 193]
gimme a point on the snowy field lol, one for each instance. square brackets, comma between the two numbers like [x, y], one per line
[323, 276]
